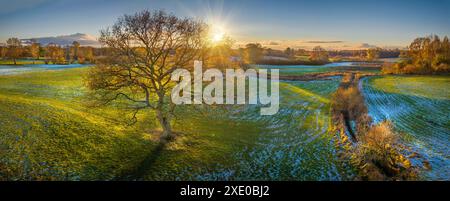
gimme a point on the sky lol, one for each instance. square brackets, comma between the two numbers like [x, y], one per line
[344, 24]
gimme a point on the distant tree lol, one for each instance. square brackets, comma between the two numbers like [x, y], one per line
[446, 49]
[319, 54]
[3, 51]
[300, 52]
[268, 52]
[373, 54]
[85, 54]
[253, 52]
[220, 55]
[14, 49]
[81, 54]
[35, 50]
[289, 52]
[403, 54]
[75, 53]
[425, 55]
[41, 51]
[428, 53]
[145, 48]
[55, 53]
[68, 54]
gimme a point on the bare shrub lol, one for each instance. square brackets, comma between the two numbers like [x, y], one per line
[379, 148]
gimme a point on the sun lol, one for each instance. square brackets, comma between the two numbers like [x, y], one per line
[217, 37]
[217, 34]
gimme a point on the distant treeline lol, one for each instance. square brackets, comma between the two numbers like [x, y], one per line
[51, 53]
[382, 53]
[256, 54]
[425, 55]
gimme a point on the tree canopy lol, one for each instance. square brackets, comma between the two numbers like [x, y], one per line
[145, 48]
[425, 55]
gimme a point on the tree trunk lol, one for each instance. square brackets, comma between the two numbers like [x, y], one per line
[15, 61]
[163, 119]
[165, 125]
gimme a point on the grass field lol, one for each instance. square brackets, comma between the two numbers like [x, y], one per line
[419, 107]
[48, 132]
[295, 144]
[21, 62]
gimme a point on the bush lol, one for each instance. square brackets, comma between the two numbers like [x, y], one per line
[378, 148]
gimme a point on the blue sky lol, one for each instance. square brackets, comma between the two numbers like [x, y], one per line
[299, 23]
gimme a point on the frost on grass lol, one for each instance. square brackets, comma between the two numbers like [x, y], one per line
[419, 108]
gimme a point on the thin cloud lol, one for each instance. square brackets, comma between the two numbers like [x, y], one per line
[366, 45]
[324, 41]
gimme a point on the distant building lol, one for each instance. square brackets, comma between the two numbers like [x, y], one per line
[2, 44]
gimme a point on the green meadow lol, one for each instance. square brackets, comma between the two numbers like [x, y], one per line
[21, 62]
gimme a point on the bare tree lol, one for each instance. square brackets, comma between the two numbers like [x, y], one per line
[373, 54]
[55, 53]
[14, 49]
[35, 50]
[145, 48]
[3, 51]
[319, 54]
[75, 52]
[85, 54]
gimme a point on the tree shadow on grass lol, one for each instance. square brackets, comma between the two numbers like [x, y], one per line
[141, 169]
